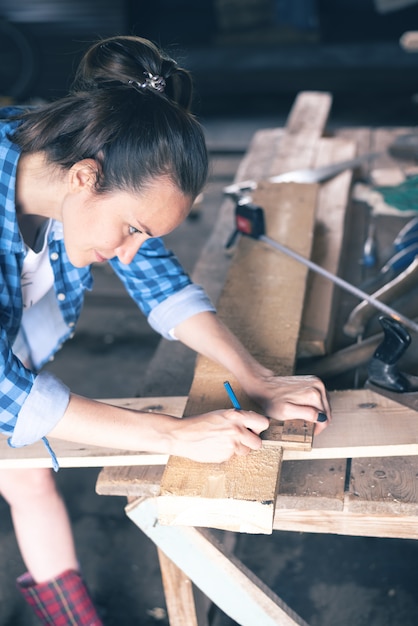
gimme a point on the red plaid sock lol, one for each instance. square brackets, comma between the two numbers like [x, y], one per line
[63, 601]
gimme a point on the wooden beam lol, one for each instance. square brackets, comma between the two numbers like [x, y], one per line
[376, 498]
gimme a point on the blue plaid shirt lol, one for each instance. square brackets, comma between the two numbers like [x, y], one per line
[32, 402]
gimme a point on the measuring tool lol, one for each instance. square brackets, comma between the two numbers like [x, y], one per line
[249, 221]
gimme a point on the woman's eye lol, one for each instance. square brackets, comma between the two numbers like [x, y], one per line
[133, 230]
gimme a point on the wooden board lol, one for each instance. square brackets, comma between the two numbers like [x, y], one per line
[248, 283]
[259, 275]
[163, 375]
[78, 455]
[304, 126]
[376, 425]
[346, 523]
[380, 499]
[309, 485]
[317, 328]
[365, 425]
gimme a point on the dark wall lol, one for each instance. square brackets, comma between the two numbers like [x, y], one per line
[242, 53]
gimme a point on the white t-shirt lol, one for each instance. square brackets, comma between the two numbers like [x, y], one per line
[37, 274]
[37, 285]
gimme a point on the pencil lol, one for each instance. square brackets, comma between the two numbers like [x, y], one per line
[232, 396]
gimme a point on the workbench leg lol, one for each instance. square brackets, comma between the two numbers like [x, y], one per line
[178, 591]
[226, 581]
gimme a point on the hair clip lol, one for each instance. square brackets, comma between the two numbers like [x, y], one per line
[152, 81]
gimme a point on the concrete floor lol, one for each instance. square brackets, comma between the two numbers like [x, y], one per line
[329, 580]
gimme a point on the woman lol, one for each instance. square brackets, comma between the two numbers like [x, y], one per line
[99, 176]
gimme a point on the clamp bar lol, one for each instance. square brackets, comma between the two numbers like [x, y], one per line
[342, 283]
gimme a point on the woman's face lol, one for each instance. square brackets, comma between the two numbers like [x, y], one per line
[98, 227]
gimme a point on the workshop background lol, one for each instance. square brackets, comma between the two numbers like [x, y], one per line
[249, 59]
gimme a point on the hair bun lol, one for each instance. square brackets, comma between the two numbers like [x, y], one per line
[133, 61]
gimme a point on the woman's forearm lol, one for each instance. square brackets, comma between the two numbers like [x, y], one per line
[98, 423]
[208, 335]
[210, 437]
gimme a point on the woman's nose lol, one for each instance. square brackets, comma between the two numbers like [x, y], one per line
[129, 248]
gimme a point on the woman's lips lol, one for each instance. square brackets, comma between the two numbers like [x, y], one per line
[99, 257]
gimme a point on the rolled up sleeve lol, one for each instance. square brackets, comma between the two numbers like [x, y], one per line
[177, 308]
[44, 407]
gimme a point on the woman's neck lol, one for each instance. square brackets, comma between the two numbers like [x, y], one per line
[38, 187]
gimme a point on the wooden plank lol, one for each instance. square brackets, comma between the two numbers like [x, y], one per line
[384, 485]
[331, 229]
[79, 455]
[258, 274]
[312, 485]
[305, 124]
[365, 424]
[381, 501]
[317, 329]
[163, 375]
[231, 586]
[345, 523]
[252, 279]
[132, 481]
[261, 274]
[315, 501]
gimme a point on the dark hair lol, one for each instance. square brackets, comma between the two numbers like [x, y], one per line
[116, 116]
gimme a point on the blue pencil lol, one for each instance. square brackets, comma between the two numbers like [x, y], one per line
[232, 396]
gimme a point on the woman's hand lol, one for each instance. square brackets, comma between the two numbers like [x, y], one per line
[293, 397]
[280, 397]
[216, 436]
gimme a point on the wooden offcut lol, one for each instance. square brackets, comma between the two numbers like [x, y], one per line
[219, 498]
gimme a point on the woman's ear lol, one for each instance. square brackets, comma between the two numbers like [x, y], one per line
[83, 175]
